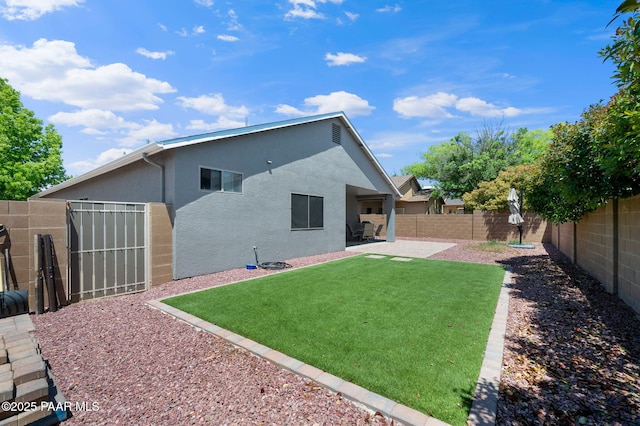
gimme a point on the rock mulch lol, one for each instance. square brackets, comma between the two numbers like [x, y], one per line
[572, 356]
[572, 351]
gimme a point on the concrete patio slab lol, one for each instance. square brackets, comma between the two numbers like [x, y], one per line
[405, 248]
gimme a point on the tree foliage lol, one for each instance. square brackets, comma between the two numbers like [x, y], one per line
[619, 131]
[30, 154]
[571, 181]
[459, 165]
[598, 157]
[492, 195]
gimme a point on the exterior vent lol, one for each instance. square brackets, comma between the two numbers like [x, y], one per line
[336, 133]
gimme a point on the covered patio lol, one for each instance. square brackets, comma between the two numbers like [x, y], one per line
[369, 216]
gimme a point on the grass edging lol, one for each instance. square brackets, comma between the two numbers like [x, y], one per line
[452, 287]
[360, 396]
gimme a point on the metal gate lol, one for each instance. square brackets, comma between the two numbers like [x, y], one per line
[107, 243]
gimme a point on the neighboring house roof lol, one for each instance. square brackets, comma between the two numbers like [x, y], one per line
[422, 196]
[400, 181]
[453, 202]
[411, 189]
[156, 147]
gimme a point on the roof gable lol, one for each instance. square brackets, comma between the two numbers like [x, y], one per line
[146, 151]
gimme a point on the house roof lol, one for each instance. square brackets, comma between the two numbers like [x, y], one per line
[153, 148]
[399, 181]
[453, 202]
[420, 197]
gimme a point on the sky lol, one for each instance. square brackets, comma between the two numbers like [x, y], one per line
[114, 75]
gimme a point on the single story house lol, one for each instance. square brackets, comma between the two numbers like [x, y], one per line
[415, 199]
[288, 188]
[453, 206]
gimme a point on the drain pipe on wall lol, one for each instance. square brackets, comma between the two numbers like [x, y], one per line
[146, 158]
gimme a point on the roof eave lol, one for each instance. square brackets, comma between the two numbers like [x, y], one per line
[132, 157]
[395, 191]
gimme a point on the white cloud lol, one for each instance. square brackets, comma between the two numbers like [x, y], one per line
[103, 158]
[55, 72]
[153, 55]
[439, 106]
[92, 119]
[352, 16]
[478, 107]
[391, 141]
[233, 25]
[29, 10]
[148, 131]
[213, 105]
[221, 123]
[183, 32]
[101, 123]
[432, 106]
[229, 38]
[285, 109]
[307, 9]
[205, 3]
[350, 104]
[304, 13]
[343, 59]
[389, 9]
[199, 29]
[163, 27]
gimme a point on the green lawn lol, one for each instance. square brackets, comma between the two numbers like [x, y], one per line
[414, 331]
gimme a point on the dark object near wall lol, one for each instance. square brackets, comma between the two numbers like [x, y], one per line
[14, 302]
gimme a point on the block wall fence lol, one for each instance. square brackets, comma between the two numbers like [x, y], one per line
[606, 243]
[24, 220]
[482, 226]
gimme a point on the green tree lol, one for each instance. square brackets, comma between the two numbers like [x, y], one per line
[30, 154]
[619, 130]
[492, 195]
[572, 180]
[598, 157]
[459, 165]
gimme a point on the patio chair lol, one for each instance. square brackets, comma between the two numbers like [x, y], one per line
[379, 230]
[353, 235]
[368, 231]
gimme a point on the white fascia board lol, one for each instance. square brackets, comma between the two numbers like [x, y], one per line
[132, 157]
[396, 192]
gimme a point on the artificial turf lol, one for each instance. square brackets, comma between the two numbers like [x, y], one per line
[413, 331]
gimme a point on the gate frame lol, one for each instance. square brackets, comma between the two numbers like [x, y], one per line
[78, 297]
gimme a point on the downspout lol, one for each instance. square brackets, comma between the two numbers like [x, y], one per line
[146, 158]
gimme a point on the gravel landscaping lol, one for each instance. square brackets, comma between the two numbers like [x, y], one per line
[571, 356]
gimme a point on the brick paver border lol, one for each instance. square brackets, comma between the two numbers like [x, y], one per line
[485, 400]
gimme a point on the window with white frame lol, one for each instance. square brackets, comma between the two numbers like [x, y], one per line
[220, 180]
[307, 211]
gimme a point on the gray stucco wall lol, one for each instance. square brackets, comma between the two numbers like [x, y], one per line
[216, 231]
[137, 182]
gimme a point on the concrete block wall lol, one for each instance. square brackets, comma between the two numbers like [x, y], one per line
[612, 258]
[594, 245]
[563, 239]
[457, 227]
[160, 244]
[483, 226]
[629, 251]
[489, 226]
[24, 220]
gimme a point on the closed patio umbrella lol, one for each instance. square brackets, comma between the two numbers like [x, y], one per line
[514, 207]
